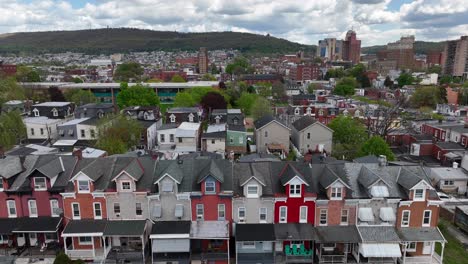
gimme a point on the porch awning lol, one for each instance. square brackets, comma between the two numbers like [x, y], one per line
[421, 234]
[295, 232]
[387, 214]
[255, 232]
[380, 250]
[210, 230]
[79, 228]
[130, 228]
[337, 234]
[7, 225]
[38, 225]
[171, 229]
[365, 214]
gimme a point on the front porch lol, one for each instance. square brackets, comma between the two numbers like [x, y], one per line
[422, 259]
[336, 244]
[83, 239]
[210, 241]
[127, 241]
[294, 243]
[418, 245]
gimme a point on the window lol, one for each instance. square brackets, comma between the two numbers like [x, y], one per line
[54, 208]
[235, 121]
[296, 111]
[40, 184]
[138, 209]
[263, 214]
[82, 132]
[126, 185]
[252, 191]
[162, 139]
[32, 205]
[266, 133]
[171, 138]
[231, 140]
[210, 187]
[438, 155]
[11, 208]
[190, 117]
[3, 239]
[54, 112]
[283, 215]
[308, 135]
[116, 208]
[167, 186]
[405, 218]
[241, 214]
[172, 117]
[323, 216]
[295, 190]
[85, 240]
[303, 214]
[200, 211]
[97, 211]
[212, 141]
[36, 112]
[76, 210]
[248, 245]
[419, 195]
[336, 193]
[221, 212]
[83, 186]
[180, 140]
[71, 132]
[448, 183]
[93, 133]
[42, 131]
[427, 218]
[32, 131]
[411, 247]
[344, 217]
[1, 184]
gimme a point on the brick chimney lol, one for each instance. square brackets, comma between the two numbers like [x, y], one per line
[78, 153]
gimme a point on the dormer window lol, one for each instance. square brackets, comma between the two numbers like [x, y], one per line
[295, 190]
[35, 112]
[83, 187]
[235, 121]
[336, 193]
[167, 186]
[210, 187]
[126, 185]
[1, 184]
[172, 117]
[40, 184]
[296, 111]
[419, 195]
[54, 112]
[252, 191]
[190, 117]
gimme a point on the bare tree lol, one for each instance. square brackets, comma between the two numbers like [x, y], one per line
[387, 118]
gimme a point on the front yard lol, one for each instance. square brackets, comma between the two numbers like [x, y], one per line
[454, 252]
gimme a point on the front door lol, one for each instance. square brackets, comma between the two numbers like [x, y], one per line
[33, 239]
[20, 239]
[427, 248]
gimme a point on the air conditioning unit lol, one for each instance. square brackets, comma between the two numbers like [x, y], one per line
[117, 214]
[241, 220]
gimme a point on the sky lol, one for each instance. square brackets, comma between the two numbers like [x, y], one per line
[376, 22]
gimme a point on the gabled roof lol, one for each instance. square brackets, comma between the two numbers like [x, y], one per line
[367, 177]
[173, 170]
[306, 121]
[255, 173]
[212, 170]
[52, 168]
[407, 179]
[289, 172]
[265, 120]
[329, 176]
[10, 166]
[133, 169]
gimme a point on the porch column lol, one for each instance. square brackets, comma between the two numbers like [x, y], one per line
[94, 250]
[432, 251]
[65, 245]
[229, 260]
[346, 245]
[143, 248]
[237, 255]
[404, 252]
[442, 253]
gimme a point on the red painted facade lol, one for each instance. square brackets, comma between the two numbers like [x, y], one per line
[293, 205]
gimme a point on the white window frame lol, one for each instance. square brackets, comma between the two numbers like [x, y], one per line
[423, 195]
[1, 184]
[342, 215]
[32, 205]
[449, 182]
[162, 138]
[248, 245]
[9, 207]
[95, 209]
[173, 118]
[74, 217]
[260, 214]
[129, 186]
[336, 193]
[88, 190]
[54, 112]
[42, 131]
[283, 210]
[92, 133]
[293, 190]
[221, 209]
[303, 217]
[136, 209]
[424, 218]
[252, 195]
[239, 210]
[35, 112]
[323, 212]
[41, 188]
[85, 242]
[410, 248]
[214, 186]
[407, 222]
[200, 216]
[52, 201]
[117, 205]
[82, 133]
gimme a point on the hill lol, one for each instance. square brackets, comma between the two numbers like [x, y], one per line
[112, 40]
[420, 47]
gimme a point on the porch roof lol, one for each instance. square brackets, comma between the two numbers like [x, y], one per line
[337, 234]
[380, 250]
[7, 225]
[255, 232]
[125, 228]
[171, 229]
[38, 225]
[420, 234]
[76, 228]
[378, 234]
[210, 230]
[295, 232]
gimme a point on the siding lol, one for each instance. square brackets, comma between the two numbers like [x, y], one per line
[277, 134]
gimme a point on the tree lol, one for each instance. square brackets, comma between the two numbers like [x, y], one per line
[177, 79]
[261, 108]
[312, 87]
[55, 94]
[183, 99]
[246, 101]
[77, 80]
[445, 79]
[357, 70]
[388, 82]
[137, 95]
[213, 100]
[80, 97]
[10, 90]
[365, 82]
[387, 115]
[154, 80]
[214, 69]
[434, 69]
[208, 77]
[405, 79]
[62, 258]
[128, 71]
[27, 74]
[348, 136]
[240, 65]
[278, 90]
[264, 89]
[118, 134]
[12, 129]
[428, 96]
[376, 145]
[344, 90]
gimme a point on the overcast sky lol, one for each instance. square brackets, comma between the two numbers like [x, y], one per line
[304, 21]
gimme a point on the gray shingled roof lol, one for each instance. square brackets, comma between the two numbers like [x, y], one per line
[10, 166]
[263, 121]
[378, 234]
[408, 179]
[289, 172]
[85, 226]
[367, 177]
[303, 122]
[367, 159]
[135, 169]
[212, 170]
[295, 231]
[242, 172]
[28, 164]
[420, 234]
[125, 228]
[338, 234]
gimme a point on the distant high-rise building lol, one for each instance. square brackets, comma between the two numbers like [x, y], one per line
[402, 52]
[203, 61]
[351, 47]
[330, 49]
[455, 57]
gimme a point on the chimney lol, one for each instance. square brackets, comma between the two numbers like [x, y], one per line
[382, 160]
[78, 153]
[455, 165]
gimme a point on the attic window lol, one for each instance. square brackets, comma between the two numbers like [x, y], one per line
[35, 112]
[419, 194]
[83, 186]
[336, 193]
[54, 112]
[379, 191]
[167, 186]
[252, 191]
[210, 187]
[172, 117]
[126, 186]
[295, 190]
[40, 184]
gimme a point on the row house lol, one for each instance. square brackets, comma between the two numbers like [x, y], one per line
[322, 113]
[41, 129]
[94, 110]
[226, 132]
[53, 110]
[178, 115]
[271, 136]
[308, 134]
[150, 120]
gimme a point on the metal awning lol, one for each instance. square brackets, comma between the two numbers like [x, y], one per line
[77, 228]
[209, 230]
[387, 214]
[379, 191]
[38, 225]
[365, 214]
[156, 211]
[380, 250]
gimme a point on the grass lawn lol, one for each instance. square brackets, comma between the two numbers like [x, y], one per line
[454, 252]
